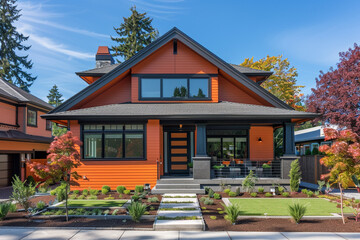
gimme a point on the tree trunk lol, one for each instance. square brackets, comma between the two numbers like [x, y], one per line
[66, 201]
[341, 203]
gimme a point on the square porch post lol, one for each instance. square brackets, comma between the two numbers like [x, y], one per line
[201, 162]
[289, 150]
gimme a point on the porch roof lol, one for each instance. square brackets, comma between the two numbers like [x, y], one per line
[181, 111]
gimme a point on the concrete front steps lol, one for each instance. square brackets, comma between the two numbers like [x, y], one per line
[177, 185]
[178, 202]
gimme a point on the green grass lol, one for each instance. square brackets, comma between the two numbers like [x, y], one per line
[95, 203]
[279, 207]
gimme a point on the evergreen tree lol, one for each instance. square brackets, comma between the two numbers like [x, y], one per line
[136, 32]
[295, 176]
[11, 64]
[55, 97]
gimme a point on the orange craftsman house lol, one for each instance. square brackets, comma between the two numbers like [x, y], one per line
[23, 133]
[176, 109]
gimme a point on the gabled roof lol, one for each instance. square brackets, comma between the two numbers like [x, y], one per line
[251, 71]
[165, 111]
[12, 92]
[174, 33]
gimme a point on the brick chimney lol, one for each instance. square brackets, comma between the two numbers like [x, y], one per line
[103, 57]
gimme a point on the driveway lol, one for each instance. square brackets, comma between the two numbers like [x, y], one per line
[5, 193]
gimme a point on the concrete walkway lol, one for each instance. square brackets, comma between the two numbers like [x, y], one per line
[8, 233]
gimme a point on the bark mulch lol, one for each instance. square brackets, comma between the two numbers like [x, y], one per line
[37, 199]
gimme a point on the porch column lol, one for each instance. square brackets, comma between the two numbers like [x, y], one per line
[289, 150]
[201, 162]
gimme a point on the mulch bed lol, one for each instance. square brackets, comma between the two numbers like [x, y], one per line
[20, 219]
[37, 199]
[273, 224]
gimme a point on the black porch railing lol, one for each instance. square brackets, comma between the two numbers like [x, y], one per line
[225, 168]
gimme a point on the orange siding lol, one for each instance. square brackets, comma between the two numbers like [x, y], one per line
[127, 173]
[40, 130]
[23, 146]
[8, 114]
[261, 150]
[215, 89]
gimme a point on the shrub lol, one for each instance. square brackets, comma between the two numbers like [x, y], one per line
[315, 151]
[40, 205]
[43, 189]
[260, 189]
[321, 185]
[232, 194]
[127, 192]
[232, 212]
[12, 207]
[153, 200]
[213, 217]
[139, 188]
[120, 189]
[85, 192]
[211, 193]
[4, 209]
[227, 191]
[136, 210]
[285, 194]
[295, 176]
[22, 192]
[310, 193]
[217, 196]
[93, 192]
[268, 194]
[77, 192]
[249, 182]
[253, 194]
[105, 189]
[281, 189]
[92, 197]
[30, 180]
[304, 191]
[202, 199]
[297, 211]
[72, 196]
[81, 197]
[109, 198]
[135, 198]
[237, 191]
[208, 201]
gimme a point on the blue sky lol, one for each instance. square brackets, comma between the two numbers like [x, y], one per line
[65, 34]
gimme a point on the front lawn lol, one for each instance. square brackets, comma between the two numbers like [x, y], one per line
[95, 203]
[279, 206]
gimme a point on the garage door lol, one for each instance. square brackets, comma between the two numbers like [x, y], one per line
[5, 170]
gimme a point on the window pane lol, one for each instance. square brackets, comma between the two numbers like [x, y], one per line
[134, 145]
[134, 127]
[227, 132]
[199, 87]
[114, 127]
[150, 88]
[113, 146]
[31, 117]
[176, 87]
[92, 145]
[228, 148]
[214, 147]
[241, 148]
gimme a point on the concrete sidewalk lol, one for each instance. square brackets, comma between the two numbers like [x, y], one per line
[9, 233]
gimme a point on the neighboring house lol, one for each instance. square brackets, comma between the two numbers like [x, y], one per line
[173, 103]
[23, 133]
[306, 140]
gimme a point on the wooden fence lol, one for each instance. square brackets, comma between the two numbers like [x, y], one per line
[311, 168]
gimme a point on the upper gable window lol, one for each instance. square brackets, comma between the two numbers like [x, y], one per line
[31, 117]
[175, 88]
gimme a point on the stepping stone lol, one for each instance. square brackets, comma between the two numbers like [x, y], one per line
[173, 214]
[193, 195]
[191, 225]
[179, 205]
[194, 200]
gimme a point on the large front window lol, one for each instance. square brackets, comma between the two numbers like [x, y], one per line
[113, 141]
[174, 88]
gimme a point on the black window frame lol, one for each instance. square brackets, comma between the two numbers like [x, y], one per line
[27, 117]
[176, 76]
[103, 131]
[48, 128]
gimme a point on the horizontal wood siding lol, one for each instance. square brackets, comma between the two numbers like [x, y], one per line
[261, 150]
[40, 130]
[8, 114]
[126, 173]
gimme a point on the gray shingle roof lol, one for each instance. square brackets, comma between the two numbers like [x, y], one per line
[250, 71]
[12, 92]
[198, 111]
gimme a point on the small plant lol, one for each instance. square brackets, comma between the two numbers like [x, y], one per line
[232, 212]
[4, 209]
[136, 210]
[109, 197]
[106, 212]
[317, 193]
[40, 205]
[285, 194]
[295, 176]
[114, 212]
[219, 209]
[232, 194]
[237, 191]
[22, 192]
[127, 192]
[268, 194]
[249, 182]
[92, 197]
[297, 211]
[221, 212]
[105, 189]
[281, 189]
[76, 192]
[190, 165]
[81, 197]
[203, 208]
[213, 217]
[43, 189]
[310, 193]
[211, 193]
[208, 201]
[85, 192]
[304, 191]
[253, 194]
[202, 199]
[152, 208]
[217, 196]
[153, 200]
[227, 190]
[321, 185]
[139, 188]
[12, 208]
[135, 198]
[120, 189]
[93, 192]
[260, 189]
[72, 196]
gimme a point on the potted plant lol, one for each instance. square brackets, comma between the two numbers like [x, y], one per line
[266, 170]
[217, 169]
[190, 165]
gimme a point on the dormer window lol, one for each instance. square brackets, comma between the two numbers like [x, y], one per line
[174, 88]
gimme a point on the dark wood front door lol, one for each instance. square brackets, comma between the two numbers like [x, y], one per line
[179, 152]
